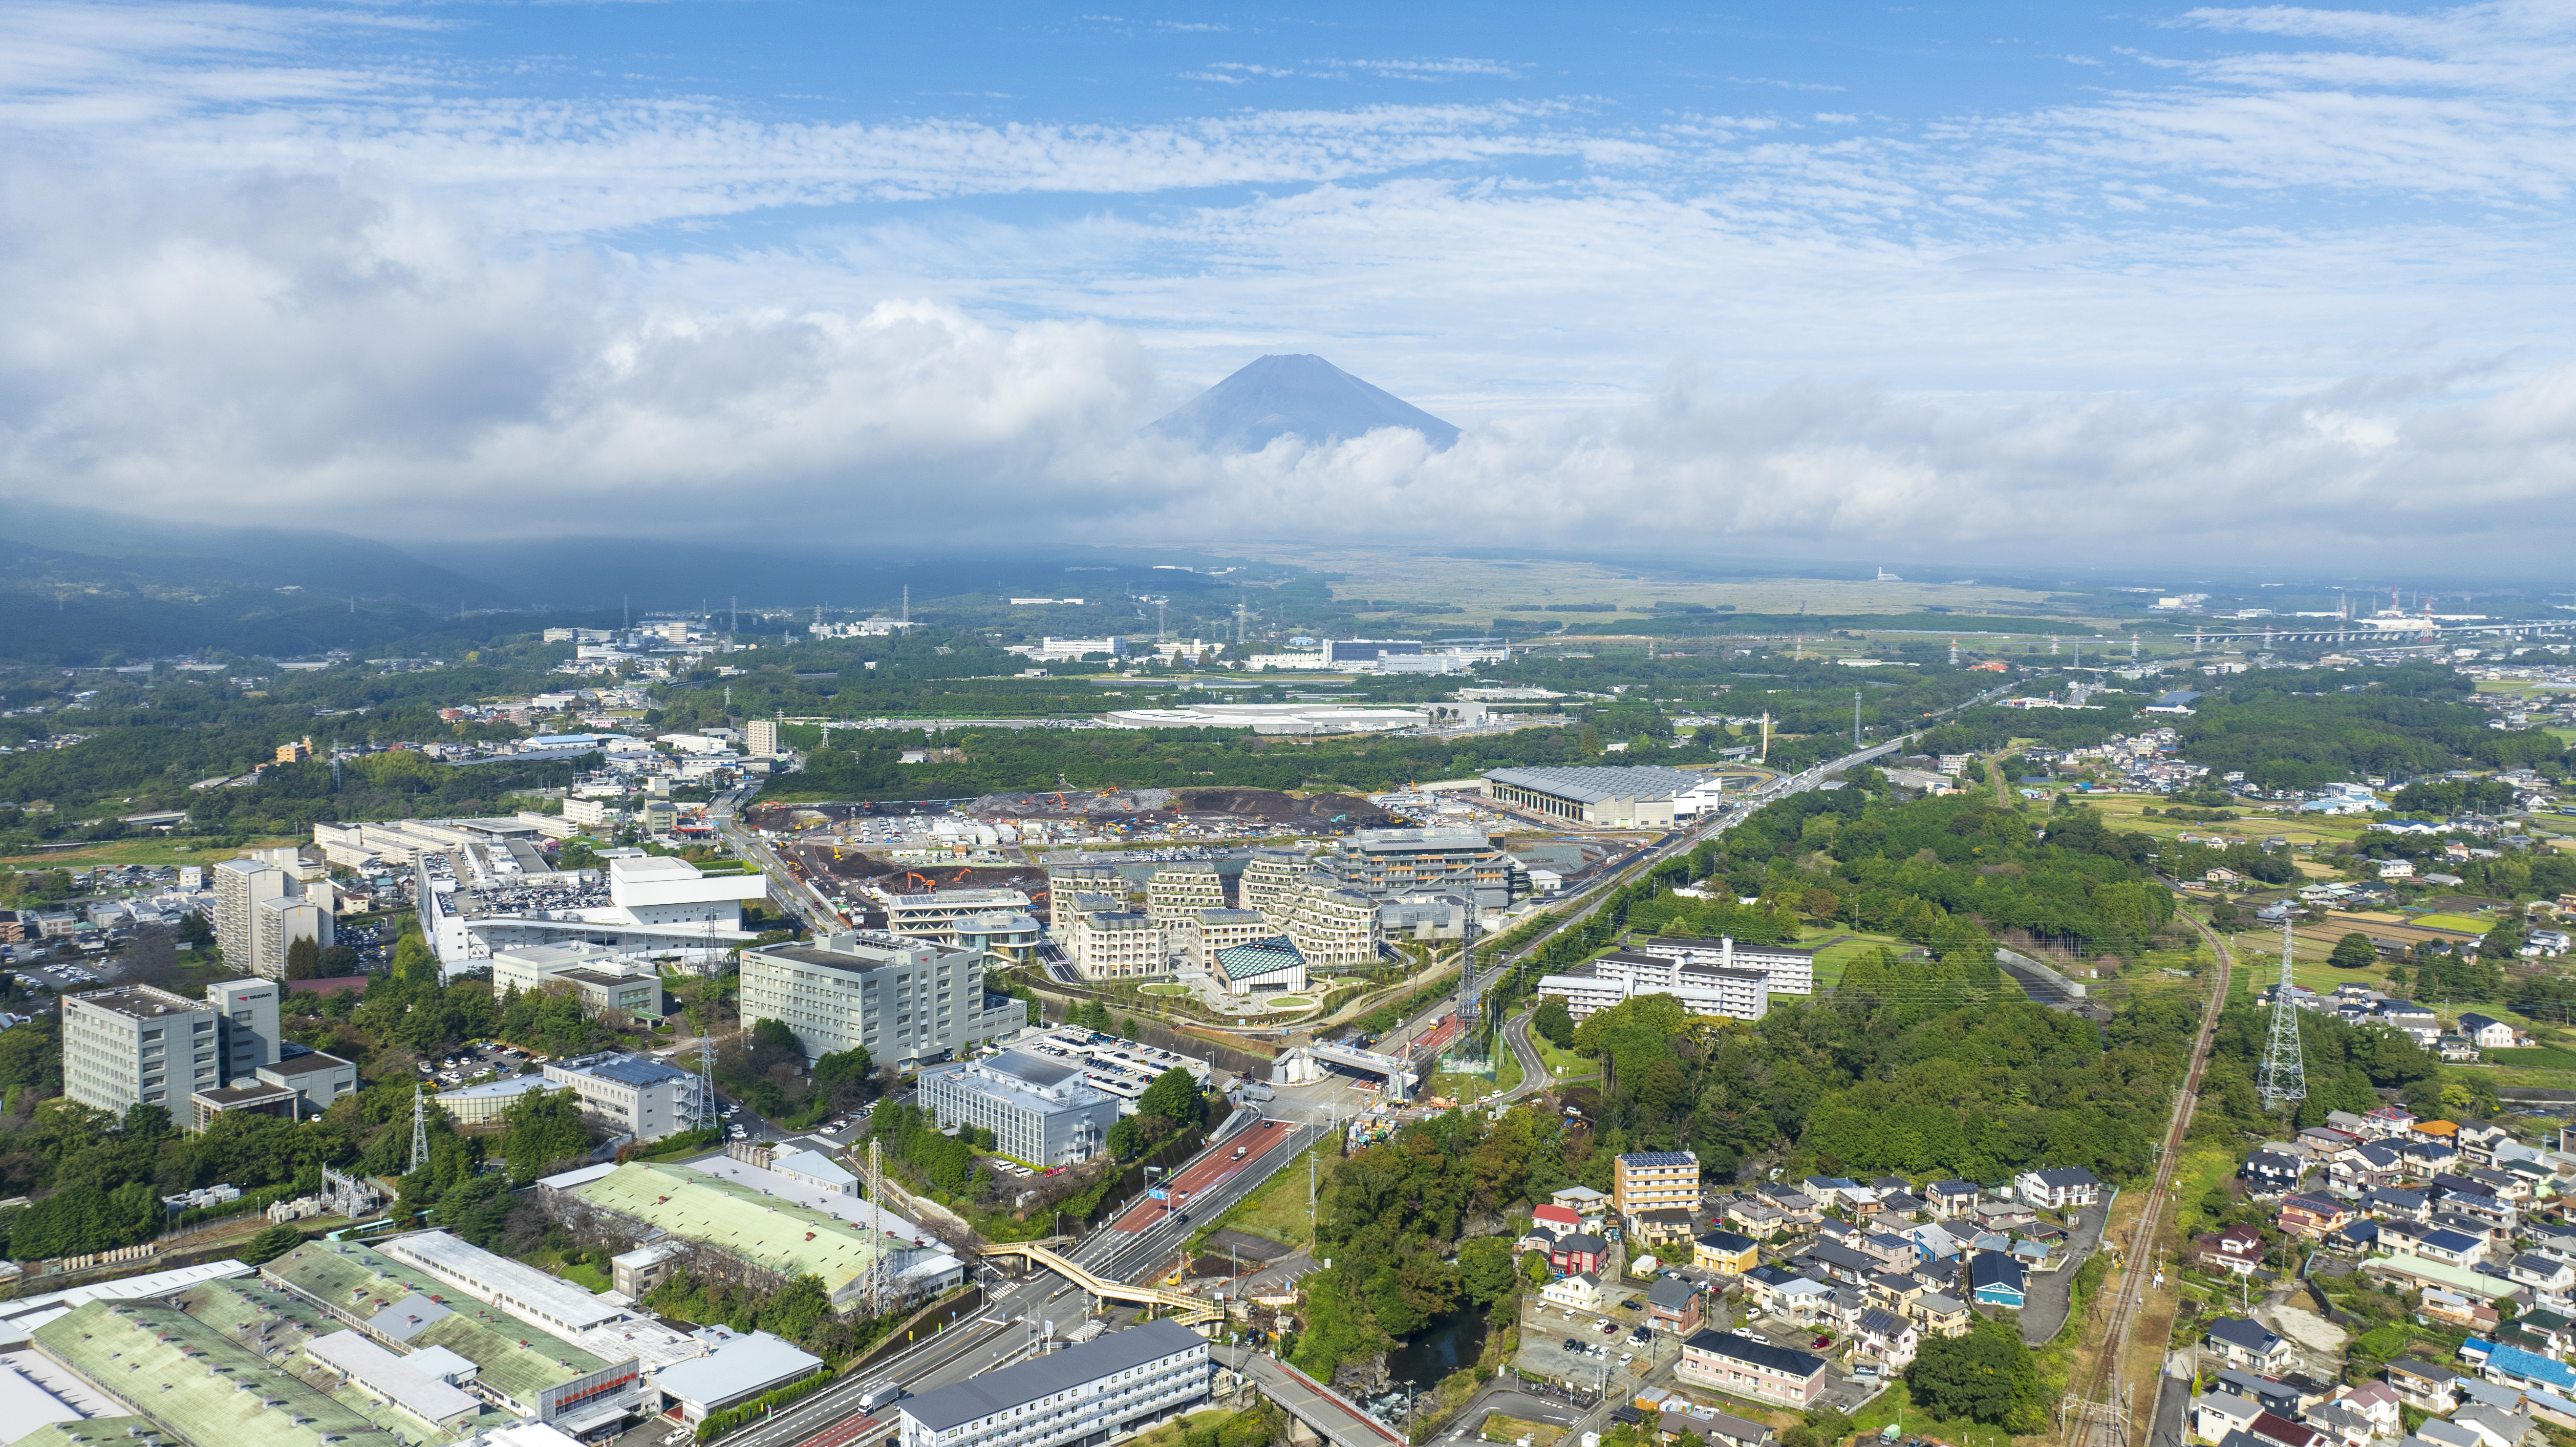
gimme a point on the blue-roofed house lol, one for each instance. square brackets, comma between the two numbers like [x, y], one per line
[1995, 1279]
[2513, 1367]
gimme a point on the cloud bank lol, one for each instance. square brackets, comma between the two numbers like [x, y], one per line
[2305, 301]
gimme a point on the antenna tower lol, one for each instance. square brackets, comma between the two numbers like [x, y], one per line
[907, 602]
[707, 1118]
[876, 1216]
[420, 1126]
[2283, 1080]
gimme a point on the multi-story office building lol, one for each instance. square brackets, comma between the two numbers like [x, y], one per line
[933, 914]
[642, 1098]
[1788, 971]
[1654, 1181]
[261, 909]
[604, 979]
[1181, 889]
[1109, 1387]
[248, 1037]
[140, 1045]
[1702, 989]
[1384, 862]
[1118, 945]
[908, 1002]
[1040, 1112]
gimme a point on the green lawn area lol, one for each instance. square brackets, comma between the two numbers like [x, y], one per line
[1896, 1405]
[1278, 1209]
[1833, 959]
[1564, 1065]
[1164, 988]
[2466, 922]
[2540, 1057]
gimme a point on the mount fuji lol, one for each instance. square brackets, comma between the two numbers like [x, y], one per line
[1306, 395]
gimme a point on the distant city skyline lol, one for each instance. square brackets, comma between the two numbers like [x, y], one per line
[2175, 283]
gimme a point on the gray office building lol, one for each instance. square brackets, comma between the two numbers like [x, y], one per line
[906, 1001]
[140, 1046]
[1039, 1111]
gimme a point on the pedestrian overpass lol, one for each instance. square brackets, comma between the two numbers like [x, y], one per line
[1188, 1310]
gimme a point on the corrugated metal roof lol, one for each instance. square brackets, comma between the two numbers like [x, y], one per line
[1047, 1375]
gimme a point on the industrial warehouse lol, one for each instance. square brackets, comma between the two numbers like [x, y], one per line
[1627, 797]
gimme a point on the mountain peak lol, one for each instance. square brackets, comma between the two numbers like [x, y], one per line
[1306, 395]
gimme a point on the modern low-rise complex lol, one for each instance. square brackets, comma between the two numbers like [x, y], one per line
[472, 907]
[1109, 1387]
[1040, 1112]
[1383, 862]
[605, 979]
[905, 1001]
[933, 914]
[1785, 970]
[630, 1094]
[1618, 797]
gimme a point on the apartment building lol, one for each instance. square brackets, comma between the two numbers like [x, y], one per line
[1271, 880]
[139, 1045]
[1654, 1181]
[907, 1001]
[1118, 945]
[1109, 1387]
[1746, 1367]
[1332, 926]
[262, 909]
[1176, 890]
[1787, 971]
[1598, 984]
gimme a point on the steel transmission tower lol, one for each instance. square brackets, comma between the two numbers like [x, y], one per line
[420, 1126]
[876, 1215]
[707, 1067]
[2283, 1079]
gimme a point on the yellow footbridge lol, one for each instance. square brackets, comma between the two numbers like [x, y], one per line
[1187, 1310]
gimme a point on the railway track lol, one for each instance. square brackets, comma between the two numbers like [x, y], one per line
[2098, 1413]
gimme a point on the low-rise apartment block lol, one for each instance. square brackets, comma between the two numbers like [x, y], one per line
[1109, 1387]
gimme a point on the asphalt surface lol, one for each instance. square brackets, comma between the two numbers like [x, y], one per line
[2044, 1309]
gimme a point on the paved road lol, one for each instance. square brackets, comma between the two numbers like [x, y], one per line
[2045, 1310]
[1335, 1416]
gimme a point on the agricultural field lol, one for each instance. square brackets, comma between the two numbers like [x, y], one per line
[154, 852]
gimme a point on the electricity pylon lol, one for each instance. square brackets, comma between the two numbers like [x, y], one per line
[2283, 1080]
[420, 1126]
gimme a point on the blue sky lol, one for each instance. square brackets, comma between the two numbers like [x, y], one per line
[2167, 281]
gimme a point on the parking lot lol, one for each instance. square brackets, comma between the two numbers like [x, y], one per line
[1598, 1342]
[465, 1066]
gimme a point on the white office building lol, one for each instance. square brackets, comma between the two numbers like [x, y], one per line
[908, 1002]
[140, 1045]
[1118, 945]
[1109, 1387]
[474, 904]
[628, 1093]
[1040, 1112]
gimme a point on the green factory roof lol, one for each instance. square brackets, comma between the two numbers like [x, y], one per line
[196, 1384]
[516, 1359]
[738, 1220]
[97, 1432]
[277, 1323]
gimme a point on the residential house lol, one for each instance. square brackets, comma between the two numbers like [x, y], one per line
[1841, 1263]
[2342, 1426]
[2426, 1158]
[2273, 1169]
[1942, 1314]
[2424, 1384]
[1577, 1254]
[2215, 1414]
[1902, 1205]
[2493, 1215]
[1757, 1219]
[2375, 1403]
[1795, 1204]
[1888, 1337]
[1890, 1251]
[1672, 1305]
[1895, 1290]
[2247, 1343]
[2495, 1427]
[2313, 1215]
[2448, 1434]
[1718, 1429]
[1996, 1279]
[1745, 1367]
[2274, 1395]
[1580, 1291]
[1669, 1226]
[1591, 1207]
[2513, 1367]
[2387, 1122]
[1557, 1220]
[2058, 1188]
[2451, 1308]
[1950, 1198]
[2487, 1032]
[2366, 1166]
[2551, 1238]
[2452, 1248]
[1727, 1252]
[2282, 1432]
[2239, 1249]
[2388, 1203]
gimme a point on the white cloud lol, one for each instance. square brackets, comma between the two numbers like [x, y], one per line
[362, 295]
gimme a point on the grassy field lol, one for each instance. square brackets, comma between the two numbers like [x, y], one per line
[2127, 811]
[2538, 1057]
[1564, 1065]
[1278, 1209]
[2465, 923]
[1834, 958]
[134, 851]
